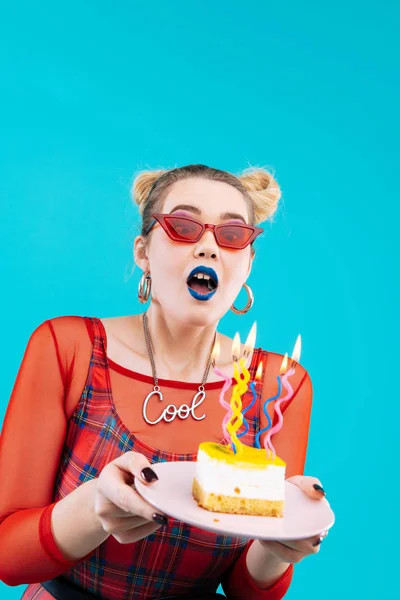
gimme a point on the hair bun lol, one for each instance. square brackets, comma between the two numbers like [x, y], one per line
[142, 186]
[264, 190]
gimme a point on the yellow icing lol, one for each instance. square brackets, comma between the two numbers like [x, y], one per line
[255, 458]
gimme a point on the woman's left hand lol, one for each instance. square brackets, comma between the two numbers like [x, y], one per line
[293, 551]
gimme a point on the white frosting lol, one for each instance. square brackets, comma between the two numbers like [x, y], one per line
[218, 477]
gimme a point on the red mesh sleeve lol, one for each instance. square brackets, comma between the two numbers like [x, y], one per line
[238, 583]
[30, 446]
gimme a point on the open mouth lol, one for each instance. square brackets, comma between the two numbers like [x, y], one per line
[203, 281]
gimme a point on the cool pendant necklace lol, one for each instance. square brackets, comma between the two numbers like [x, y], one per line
[171, 411]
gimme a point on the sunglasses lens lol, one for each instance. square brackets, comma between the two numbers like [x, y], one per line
[234, 236]
[183, 229]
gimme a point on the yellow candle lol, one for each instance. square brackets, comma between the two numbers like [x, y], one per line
[236, 419]
[240, 388]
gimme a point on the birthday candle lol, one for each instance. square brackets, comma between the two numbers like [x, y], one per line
[241, 385]
[265, 409]
[236, 418]
[226, 386]
[253, 400]
[285, 374]
[284, 381]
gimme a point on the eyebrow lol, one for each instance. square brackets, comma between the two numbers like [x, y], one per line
[197, 211]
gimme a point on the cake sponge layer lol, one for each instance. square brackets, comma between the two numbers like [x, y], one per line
[236, 505]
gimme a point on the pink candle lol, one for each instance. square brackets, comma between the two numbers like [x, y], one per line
[284, 376]
[225, 388]
[285, 383]
[224, 403]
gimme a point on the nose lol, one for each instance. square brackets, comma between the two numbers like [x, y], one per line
[207, 246]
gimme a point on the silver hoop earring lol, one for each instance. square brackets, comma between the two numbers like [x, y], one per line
[250, 301]
[144, 288]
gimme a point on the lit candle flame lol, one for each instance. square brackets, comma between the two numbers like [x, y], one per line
[297, 349]
[259, 371]
[236, 348]
[284, 364]
[250, 342]
[215, 352]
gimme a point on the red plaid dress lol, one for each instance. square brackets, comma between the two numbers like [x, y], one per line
[178, 559]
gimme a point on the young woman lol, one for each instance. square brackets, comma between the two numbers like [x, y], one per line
[78, 429]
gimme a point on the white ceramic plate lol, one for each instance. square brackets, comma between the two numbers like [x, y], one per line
[303, 517]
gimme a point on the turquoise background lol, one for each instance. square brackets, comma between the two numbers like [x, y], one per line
[93, 91]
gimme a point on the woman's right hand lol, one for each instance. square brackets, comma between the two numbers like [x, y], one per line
[122, 512]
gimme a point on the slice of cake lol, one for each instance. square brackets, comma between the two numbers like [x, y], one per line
[246, 483]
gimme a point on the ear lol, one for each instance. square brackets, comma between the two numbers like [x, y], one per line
[140, 254]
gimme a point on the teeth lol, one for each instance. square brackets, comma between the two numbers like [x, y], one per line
[211, 284]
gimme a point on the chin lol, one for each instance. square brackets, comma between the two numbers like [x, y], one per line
[202, 314]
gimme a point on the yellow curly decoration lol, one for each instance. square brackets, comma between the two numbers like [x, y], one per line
[239, 389]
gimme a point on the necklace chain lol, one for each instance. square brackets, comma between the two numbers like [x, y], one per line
[150, 350]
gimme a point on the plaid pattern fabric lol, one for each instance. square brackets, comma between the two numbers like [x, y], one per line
[177, 559]
[35, 591]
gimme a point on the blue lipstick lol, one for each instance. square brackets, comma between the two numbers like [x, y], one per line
[206, 271]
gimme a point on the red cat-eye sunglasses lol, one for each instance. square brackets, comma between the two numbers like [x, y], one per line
[235, 236]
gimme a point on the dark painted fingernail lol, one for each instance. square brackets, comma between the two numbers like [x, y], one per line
[319, 489]
[319, 540]
[160, 519]
[149, 475]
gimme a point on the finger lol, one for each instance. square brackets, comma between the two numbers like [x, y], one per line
[317, 541]
[310, 485]
[122, 496]
[133, 535]
[284, 552]
[306, 545]
[302, 546]
[123, 523]
[137, 465]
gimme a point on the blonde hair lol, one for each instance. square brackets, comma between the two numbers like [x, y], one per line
[258, 186]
